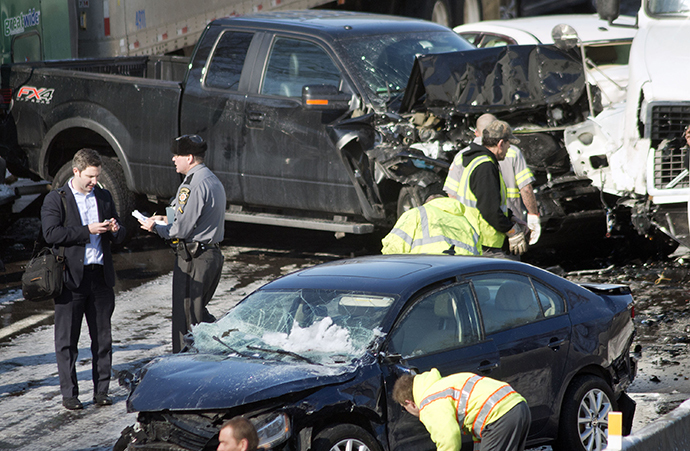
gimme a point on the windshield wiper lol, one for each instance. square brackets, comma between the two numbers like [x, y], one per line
[280, 351]
[231, 349]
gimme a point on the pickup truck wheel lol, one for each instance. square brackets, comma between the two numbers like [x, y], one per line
[584, 415]
[410, 197]
[112, 178]
[345, 437]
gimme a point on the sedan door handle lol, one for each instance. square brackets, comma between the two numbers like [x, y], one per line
[487, 366]
[256, 116]
[555, 343]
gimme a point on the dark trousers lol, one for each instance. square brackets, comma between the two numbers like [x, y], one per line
[508, 433]
[95, 300]
[194, 283]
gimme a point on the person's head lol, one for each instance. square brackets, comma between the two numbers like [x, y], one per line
[86, 167]
[188, 151]
[483, 121]
[237, 434]
[686, 135]
[402, 394]
[497, 137]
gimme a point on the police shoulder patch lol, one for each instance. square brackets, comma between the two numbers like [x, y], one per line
[183, 197]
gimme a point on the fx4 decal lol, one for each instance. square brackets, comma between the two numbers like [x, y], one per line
[36, 95]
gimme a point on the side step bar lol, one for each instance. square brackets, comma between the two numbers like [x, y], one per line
[358, 228]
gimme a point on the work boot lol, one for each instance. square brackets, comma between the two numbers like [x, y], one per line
[72, 403]
[102, 399]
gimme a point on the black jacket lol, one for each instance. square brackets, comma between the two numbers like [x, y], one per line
[75, 236]
[485, 184]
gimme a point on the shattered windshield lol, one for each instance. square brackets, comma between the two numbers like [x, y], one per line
[385, 63]
[670, 7]
[316, 326]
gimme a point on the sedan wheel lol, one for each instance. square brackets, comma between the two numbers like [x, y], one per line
[345, 437]
[584, 416]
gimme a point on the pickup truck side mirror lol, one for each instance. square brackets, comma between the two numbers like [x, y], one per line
[325, 97]
[608, 9]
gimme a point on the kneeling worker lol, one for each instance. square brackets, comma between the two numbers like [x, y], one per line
[440, 226]
[489, 410]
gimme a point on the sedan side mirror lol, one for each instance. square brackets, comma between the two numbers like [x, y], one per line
[325, 97]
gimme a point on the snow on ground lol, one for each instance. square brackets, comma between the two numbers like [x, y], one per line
[31, 414]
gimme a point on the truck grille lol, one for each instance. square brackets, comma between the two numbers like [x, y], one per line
[668, 122]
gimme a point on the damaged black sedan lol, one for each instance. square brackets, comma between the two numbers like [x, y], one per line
[311, 357]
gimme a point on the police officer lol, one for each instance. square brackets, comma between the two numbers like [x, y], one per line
[198, 219]
[491, 411]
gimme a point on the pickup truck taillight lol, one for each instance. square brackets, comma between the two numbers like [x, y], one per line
[5, 97]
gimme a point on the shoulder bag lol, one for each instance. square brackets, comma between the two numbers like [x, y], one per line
[43, 276]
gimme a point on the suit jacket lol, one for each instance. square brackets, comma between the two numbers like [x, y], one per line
[68, 231]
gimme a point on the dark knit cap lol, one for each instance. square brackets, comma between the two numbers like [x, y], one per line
[188, 145]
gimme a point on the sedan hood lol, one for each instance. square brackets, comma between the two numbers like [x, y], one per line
[495, 80]
[206, 381]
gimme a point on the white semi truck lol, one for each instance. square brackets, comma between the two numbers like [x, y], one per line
[635, 152]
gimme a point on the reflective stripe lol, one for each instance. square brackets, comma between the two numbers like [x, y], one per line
[466, 391]
[488, 406]
[513, 193]
[447, 393]
[402, 235]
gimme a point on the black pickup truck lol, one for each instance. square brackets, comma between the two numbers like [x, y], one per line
[315, 119]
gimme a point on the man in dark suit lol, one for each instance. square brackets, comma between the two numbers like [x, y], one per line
[85, 228]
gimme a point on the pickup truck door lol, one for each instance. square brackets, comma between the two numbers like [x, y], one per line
[214, 97]
[288, 161]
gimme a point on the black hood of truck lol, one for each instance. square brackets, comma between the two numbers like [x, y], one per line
[208, 382]
[494, 80]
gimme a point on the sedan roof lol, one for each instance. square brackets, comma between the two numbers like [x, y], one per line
[393, 274]
[537, 30]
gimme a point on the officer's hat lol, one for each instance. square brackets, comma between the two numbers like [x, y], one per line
[188, 145]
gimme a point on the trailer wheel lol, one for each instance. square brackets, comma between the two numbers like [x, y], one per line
[471, 11]
[112, 178]
[584, 415]
[438, 11]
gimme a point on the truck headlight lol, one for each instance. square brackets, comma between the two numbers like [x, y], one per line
[272, 429]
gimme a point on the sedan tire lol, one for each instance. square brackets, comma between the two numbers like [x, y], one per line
[584, 415]
[345, 437]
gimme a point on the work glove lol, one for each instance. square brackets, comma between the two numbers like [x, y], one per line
[517, 240]
[534, 227]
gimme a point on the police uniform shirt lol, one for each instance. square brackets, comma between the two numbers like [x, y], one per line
[199, 209]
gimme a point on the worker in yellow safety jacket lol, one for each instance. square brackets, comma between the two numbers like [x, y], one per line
[489, 410]
[440, 226]
[482, 190]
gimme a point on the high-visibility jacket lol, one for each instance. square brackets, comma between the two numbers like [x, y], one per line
[490, 237]
[434, 228]
[516, 175]
[460, 403]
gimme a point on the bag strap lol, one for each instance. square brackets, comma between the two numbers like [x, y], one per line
[41, 241]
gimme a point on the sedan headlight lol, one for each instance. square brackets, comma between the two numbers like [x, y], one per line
[272, 429]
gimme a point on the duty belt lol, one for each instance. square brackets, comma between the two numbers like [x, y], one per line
[193, 249]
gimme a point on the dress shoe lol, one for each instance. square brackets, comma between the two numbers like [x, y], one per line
[102, 399]
[72, 403]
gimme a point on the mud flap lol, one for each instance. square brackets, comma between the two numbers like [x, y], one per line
[627, 405]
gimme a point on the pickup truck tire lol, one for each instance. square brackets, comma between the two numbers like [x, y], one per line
[112, 178]
[345, 437]
[410, 197]
[584, 415]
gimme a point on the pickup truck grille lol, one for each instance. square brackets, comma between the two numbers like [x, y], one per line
[668, 122]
